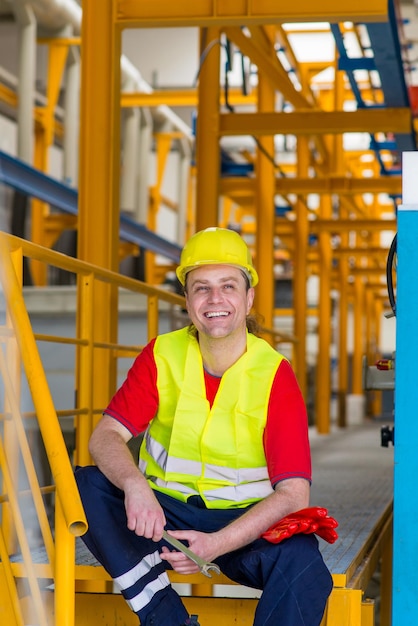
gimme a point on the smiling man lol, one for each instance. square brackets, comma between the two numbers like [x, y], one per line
[225, 455]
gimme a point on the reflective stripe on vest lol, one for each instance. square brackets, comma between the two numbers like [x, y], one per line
[216, 453]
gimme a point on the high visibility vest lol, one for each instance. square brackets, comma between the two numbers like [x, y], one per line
[193, 449]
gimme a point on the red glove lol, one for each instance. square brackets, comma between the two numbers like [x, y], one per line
[310, 520]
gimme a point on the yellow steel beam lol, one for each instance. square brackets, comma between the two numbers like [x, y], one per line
[368, 271]
[394, 120]
[301, 235]
[369, 252]
[98, 211]
[60, 41]
[181, 98]
[285, 227]
[284, 43]
[265, 180]
[207, 133]
[8, 96]
[335, 226]
[341, 185]
[134, 14]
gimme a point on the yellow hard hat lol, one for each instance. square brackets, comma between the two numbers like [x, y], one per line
[216, 246]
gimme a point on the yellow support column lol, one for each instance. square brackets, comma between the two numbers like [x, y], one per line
[373, 312]
[98, 232]
[207, 131]
[163, 146]
[343, 330]
[264, 202]
[358, 335]
[344, 607]
[370, 341]
[376, 408]
[64, 567]
[338, 96]
[300, 276]
[44, 137]
[323, 367]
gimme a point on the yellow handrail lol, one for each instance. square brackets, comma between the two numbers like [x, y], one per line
[48, 422]
[70, 520]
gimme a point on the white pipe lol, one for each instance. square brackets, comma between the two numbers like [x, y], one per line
[130, 140]
[55, 14]
[26, 83]
[185, 155]
[161, 113]
[72, 117]
[143, 160]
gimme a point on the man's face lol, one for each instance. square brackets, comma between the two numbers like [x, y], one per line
[217, 300]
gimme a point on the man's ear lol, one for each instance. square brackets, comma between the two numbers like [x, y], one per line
[250, 299]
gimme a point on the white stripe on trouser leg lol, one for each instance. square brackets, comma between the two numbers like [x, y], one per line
[140, 570]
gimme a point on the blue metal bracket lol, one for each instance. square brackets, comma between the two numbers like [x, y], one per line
[349, 64]
[387, 61]
[387, 49]
[34, 183]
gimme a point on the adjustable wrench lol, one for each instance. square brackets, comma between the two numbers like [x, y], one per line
[203, 565]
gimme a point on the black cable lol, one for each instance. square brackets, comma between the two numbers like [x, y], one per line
[204, 55]
[228, 66]
[269, 156]
[389, 273]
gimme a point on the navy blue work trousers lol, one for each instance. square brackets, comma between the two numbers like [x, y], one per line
[292, 574]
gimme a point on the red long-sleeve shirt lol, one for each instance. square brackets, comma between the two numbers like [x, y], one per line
[286, 443]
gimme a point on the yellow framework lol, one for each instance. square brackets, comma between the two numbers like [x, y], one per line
[320, 121]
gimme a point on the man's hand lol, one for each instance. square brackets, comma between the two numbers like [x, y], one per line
[205, 545]
[113, 457]
[143, 511]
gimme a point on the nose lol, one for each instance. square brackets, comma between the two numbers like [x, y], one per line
[215, 294]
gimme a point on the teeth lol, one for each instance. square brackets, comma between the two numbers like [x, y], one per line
[217, 314]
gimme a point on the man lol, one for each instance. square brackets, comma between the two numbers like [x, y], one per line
[225, 455]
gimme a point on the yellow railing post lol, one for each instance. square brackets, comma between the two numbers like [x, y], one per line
[10, 586]
[10, 440]
[13, 502]
[323, 367]
[85, 365]
[21, 440]
[44, 406]
[152, 317]
[64, 599]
